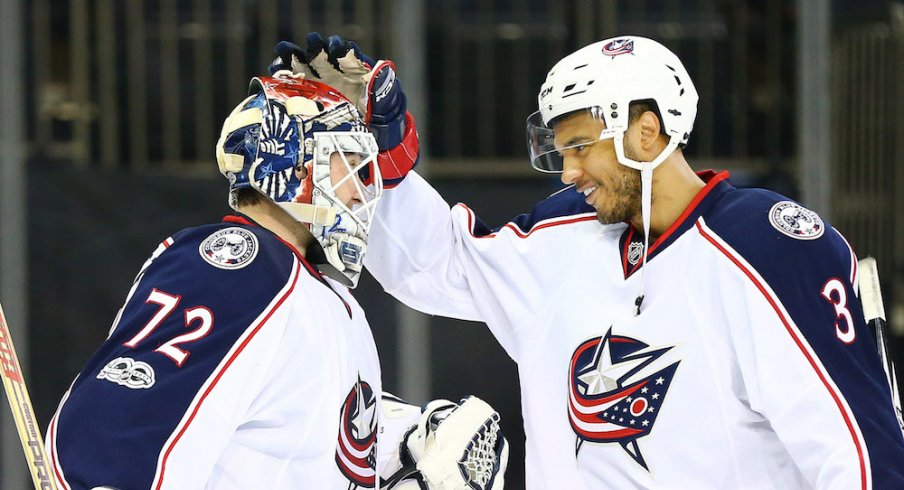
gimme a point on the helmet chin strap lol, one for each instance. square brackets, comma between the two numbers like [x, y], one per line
[646, 198]
[309, 213]
[646, 201]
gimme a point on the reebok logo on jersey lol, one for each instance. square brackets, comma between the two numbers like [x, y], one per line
[615, 392]
[128, 372]
[796, 221]
[357, 446]
[230, 248]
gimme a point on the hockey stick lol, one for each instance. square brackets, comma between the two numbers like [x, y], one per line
[23, 413]
[874, 313]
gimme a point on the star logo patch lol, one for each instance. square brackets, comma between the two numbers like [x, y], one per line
[616, 391]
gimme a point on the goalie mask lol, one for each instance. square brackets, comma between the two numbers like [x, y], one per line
[304, 146]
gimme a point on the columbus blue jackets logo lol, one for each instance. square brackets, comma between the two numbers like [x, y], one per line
[229, 248]
[796, 221]
[356, 451]
[616, 391]
[618, 46]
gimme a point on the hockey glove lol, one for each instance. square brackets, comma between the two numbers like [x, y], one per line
[371, 85]
[453, 447]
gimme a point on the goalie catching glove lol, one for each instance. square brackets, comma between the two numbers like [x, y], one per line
[451, 447]
[371, 85]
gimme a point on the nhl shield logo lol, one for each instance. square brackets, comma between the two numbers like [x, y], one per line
[610, 400]
[635, 252]
[796, 221]
[229, 248]
[356, 451]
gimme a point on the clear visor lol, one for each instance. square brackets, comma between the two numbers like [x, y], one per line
[545, 156]
[344, 158]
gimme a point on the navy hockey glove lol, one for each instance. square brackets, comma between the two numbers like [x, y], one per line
[371, 85]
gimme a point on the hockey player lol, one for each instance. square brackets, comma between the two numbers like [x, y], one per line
[670, 330]
[240, 359]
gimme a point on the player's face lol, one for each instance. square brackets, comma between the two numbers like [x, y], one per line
[610, 187]
[347, 190]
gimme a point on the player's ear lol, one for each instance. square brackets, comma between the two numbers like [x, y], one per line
[650, 129]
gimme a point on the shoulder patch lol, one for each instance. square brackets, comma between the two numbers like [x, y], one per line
[796, 221]
[230, 248]
[128, 372]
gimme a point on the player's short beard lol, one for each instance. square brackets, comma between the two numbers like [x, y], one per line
[624, 189]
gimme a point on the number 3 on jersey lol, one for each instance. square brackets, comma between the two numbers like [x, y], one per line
[835, 293]
[168, 303]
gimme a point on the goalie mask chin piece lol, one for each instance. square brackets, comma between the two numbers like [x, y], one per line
[304, 146]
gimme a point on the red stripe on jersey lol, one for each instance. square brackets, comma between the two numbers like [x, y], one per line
[715, 179]
[367, 481]
[159, 477]
[51, 450]
[518, 232]
[785, 321]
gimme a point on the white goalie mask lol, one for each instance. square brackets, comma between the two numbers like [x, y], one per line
[304, 146]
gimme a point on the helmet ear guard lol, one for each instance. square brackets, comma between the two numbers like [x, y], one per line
[291, 141]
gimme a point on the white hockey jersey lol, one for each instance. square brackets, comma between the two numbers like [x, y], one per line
[232, 364]
[750, 365]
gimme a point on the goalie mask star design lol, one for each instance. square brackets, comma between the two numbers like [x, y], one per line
[303, 145]
[616, 391]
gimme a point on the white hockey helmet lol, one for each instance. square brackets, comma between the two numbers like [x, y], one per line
[281, 141]
[609, 75]
[605, 78]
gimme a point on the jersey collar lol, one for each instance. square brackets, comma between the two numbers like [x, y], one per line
[242, 219]
[631, 241]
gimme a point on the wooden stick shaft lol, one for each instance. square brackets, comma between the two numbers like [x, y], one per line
[23, 412]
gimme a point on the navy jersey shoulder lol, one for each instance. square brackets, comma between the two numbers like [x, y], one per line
[190, 304]
[811, 269]
[770, 229]
[564, 203]
[233, 269]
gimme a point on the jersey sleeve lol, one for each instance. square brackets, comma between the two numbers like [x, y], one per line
[189, 351]
[807, 360]
[445, 261]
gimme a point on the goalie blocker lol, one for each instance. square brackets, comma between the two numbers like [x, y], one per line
[447, 446]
